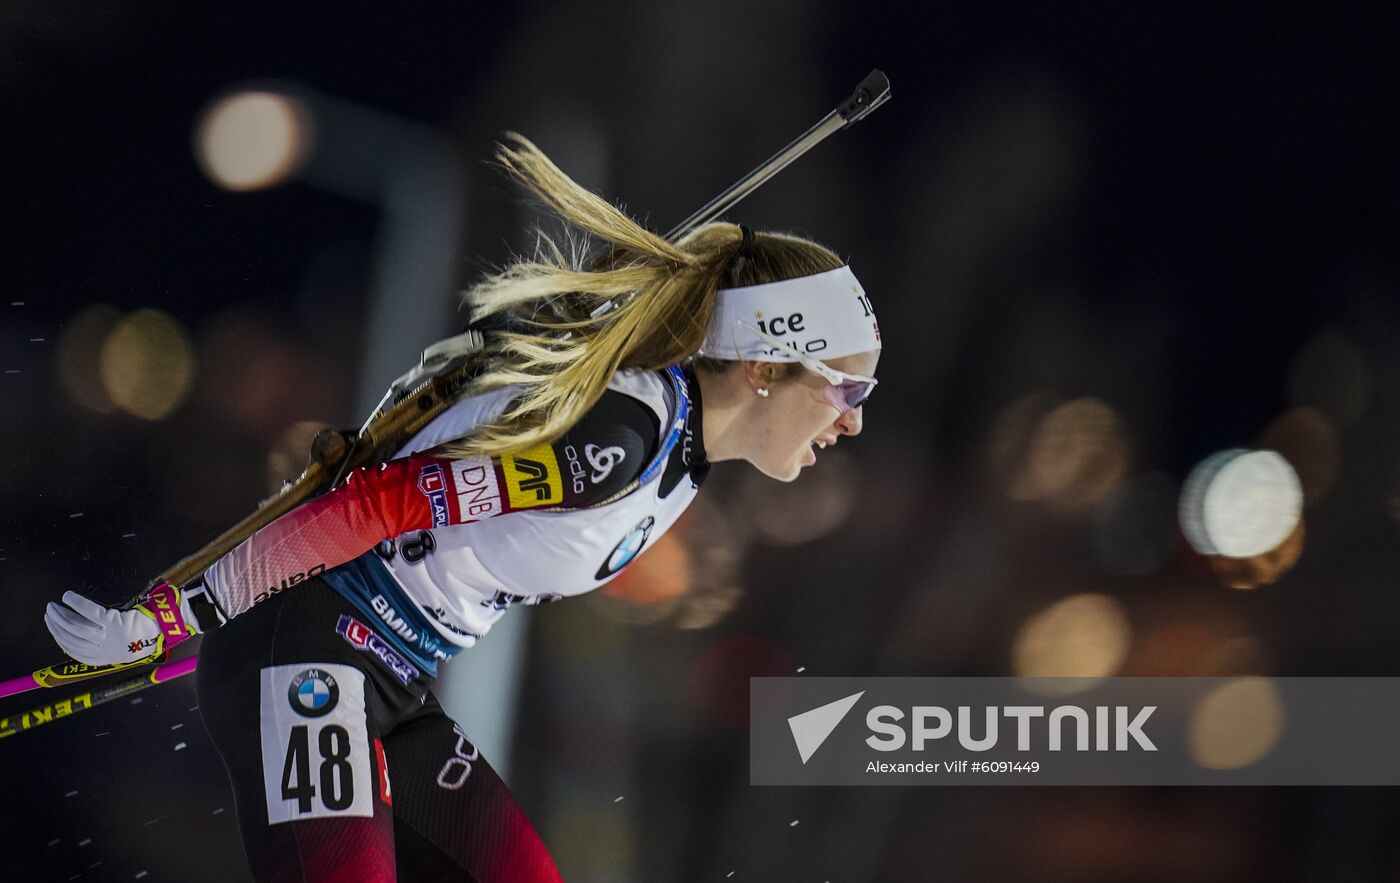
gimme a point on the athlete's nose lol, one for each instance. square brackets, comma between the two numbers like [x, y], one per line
[852, 421]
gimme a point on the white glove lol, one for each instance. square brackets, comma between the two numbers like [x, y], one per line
[99, 635]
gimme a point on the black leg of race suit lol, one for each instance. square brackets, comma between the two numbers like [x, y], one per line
[448, 796]
[340, 771]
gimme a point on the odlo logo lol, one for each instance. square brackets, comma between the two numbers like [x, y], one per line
[603, 460]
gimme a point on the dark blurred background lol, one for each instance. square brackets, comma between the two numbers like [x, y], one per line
[1105, 242]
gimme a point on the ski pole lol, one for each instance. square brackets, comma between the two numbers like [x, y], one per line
[62, 708]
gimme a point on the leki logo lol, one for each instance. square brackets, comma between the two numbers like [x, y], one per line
[810, 728]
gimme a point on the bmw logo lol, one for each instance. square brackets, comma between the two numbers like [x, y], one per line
[629, 548]
[313, 693]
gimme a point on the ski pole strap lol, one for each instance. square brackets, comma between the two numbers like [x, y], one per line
[162, 603]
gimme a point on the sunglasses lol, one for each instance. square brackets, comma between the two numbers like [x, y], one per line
[846, 392]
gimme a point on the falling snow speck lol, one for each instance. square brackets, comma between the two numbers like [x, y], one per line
[93, 865]
[104, 733]
[792, 824]
[71, 794]
[54, 842]
[36, 340]
[16, 303]
[618, 800]
[140, 874]
[801, 669]
[730, 874]
[85, 841]
[179, 746]
[219, 810]
[11, 370]
[127, 536]
[136, 701]
[177, 726]
[76, 515]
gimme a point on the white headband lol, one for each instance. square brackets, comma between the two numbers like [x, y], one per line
[826, 316]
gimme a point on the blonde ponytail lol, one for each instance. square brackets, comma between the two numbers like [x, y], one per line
[661, 296]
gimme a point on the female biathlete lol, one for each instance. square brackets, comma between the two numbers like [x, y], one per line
[586, 435]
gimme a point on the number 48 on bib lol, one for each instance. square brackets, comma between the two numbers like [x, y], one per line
[315, 745]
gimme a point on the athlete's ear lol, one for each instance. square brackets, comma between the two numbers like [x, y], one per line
[760, 375]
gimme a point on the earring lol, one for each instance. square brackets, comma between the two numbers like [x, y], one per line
[763, 391]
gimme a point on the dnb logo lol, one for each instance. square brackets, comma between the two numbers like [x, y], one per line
[432, 483]
[313, 693]
[625, 551]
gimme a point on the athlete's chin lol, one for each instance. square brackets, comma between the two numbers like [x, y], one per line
[784, 473]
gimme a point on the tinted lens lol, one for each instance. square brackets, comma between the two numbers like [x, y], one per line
[856, 392]
[851, 394]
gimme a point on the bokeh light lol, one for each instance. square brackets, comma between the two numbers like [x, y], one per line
[1011, 430]
[1082, 636]
[147, 364]
[252, 140]
[1308, 440]
[1073, 457]
[1332, 375]
[1240, 503]
[249, 373]
[1236, 724]
[1194, 635]
[1264, 568]
[77, 352]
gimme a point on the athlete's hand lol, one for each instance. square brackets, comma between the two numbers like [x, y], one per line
[99, 635]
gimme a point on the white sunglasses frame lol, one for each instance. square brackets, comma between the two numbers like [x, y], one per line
[811, 363]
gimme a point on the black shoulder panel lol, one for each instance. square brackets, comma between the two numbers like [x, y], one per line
[607, 449]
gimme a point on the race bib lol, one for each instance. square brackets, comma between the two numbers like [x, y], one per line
[315, 745]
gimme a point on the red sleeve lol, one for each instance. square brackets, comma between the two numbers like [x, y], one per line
[374, 504]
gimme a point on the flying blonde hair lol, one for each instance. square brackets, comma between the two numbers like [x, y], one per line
[662, 295]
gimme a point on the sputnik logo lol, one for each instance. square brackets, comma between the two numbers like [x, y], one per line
[811, 728]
